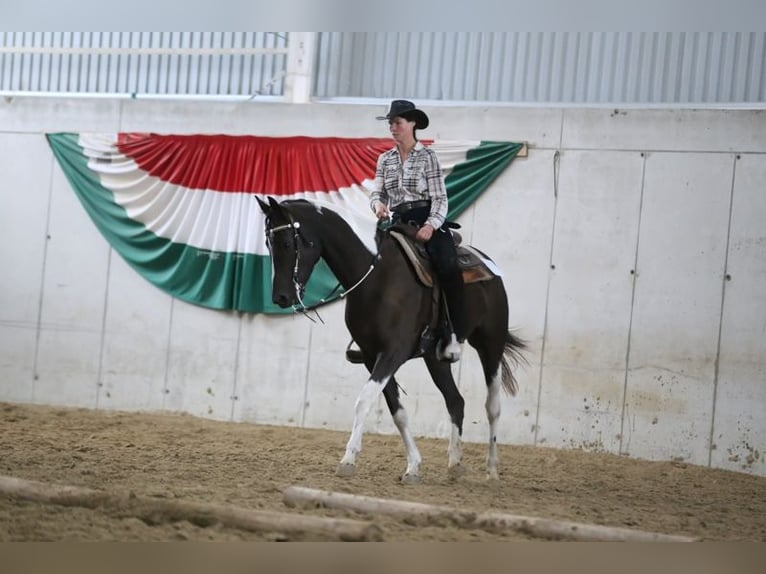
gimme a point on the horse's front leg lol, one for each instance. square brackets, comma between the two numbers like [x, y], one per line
[370, 392]
[381, 373]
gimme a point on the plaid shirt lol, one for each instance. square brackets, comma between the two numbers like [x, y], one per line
[419, 178]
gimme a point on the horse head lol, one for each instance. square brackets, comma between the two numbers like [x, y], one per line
[294, 252]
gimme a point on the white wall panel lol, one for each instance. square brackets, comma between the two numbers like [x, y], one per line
[136, 331]
[246, 118]
[74, 294]
[677, 307]
[590, 299]
[23, 219]
[31, 115]
[201, 361]
[540, 127]
[273, 369]
[681, 130]
[16, 362]
[739, 434]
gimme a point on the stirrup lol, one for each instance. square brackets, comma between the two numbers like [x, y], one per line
[451, 351]
[354, 355]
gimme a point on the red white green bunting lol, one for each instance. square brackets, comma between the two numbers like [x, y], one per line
[180, 209]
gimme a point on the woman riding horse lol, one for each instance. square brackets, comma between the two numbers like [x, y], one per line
[388, 309]
[409, 183]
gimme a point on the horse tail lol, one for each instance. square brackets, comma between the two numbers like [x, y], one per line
[512, 356]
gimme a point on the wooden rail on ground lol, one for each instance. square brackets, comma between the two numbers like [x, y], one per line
[416, 512]
[157, 510]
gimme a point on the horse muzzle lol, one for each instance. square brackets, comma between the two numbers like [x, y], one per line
[288, 296]
[284, 300]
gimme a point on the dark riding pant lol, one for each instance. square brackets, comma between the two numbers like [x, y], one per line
[443, 253]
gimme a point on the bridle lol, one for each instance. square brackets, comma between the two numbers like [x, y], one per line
[300, 288]
[297, 239]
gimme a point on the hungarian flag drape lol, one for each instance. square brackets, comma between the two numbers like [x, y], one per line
[180, 209]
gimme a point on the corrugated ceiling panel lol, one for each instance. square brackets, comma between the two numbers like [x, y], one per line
[534, 67]
[555, 67]
[175, 63]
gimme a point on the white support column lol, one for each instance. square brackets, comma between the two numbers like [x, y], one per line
[300, 61]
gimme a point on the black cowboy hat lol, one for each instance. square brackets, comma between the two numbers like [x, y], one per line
[407, 110]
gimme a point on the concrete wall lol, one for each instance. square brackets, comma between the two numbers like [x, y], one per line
[633, 244]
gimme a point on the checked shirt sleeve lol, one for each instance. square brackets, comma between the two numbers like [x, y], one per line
[437, 191]
[378, 193]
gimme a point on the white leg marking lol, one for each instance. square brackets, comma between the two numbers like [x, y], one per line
[493, 415]
[454, 450]
[413, 454]
[364, 403]
[455, 453]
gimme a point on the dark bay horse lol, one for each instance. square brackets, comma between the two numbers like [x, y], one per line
[387, 309]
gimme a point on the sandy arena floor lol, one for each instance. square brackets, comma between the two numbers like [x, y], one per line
[182, 457]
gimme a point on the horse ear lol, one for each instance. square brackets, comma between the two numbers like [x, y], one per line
[273, 203]
[263, 205]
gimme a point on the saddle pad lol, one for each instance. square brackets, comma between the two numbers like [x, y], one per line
[473, 264]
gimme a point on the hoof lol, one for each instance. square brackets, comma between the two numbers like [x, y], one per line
[455, 471]
[345, 469]
[492, 474]
[408, 478]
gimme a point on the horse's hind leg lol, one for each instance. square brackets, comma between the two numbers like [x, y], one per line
[391, 394]
[490, 361]
[492, 406]
[441, 373]
[490, 351]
